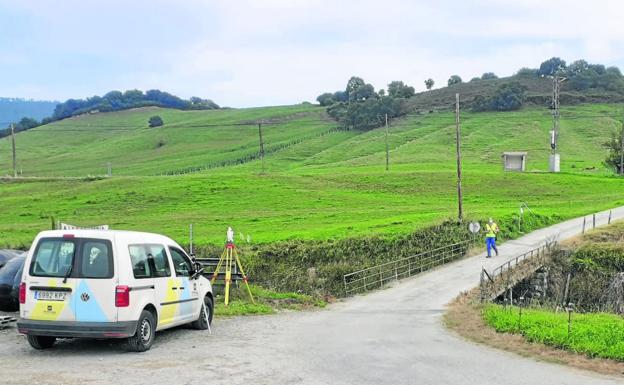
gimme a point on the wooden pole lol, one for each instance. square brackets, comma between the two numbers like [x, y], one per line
[261, 146]
[14, 156]
[459, 168]
[622, 150]
[387, 150]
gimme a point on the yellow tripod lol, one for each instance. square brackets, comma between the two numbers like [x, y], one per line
[229, 259]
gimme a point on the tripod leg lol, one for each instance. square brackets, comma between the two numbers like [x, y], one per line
[228, 275]
[216, 272]
[240, 266]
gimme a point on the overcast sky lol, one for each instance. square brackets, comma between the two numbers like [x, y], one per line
[254, 53]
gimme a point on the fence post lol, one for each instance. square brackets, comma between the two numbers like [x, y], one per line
[481, 281]
[344, 278]
[396, 273]
[609, 222]
[380, 277]
[594, 220]
[584, 220]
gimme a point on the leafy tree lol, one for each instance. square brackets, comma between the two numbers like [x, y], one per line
[614, 148]
[341, 96]
[325, 99]
[489, 75]
[508, 97]
[398, 89]
[429, 83]
[455, 79]
[475, 79]
[155, 121]
[552, 66]
[577, 67]
[381, 93]
[359, 90]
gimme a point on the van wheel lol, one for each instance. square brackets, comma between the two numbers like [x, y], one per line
[41, 342]
[201, 323]
[143, 339]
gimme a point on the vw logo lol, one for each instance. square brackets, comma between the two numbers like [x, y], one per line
[84, 297]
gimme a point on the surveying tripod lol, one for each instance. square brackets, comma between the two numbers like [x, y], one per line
[229, 260]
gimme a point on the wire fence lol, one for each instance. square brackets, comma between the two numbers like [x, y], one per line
[376, 276]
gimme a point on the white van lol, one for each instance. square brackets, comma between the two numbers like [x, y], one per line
[109, 284]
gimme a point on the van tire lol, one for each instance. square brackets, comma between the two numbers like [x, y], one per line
[40, 342]
[143, 338]
[200, 323]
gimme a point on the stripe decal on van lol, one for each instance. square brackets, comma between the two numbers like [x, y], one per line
[180, 301]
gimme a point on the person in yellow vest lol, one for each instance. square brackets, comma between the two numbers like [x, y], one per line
[491, 229]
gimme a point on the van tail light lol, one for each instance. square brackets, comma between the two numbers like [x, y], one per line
[22, 293]
[122, 296]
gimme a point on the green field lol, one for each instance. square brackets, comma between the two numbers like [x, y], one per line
[593, 334]
[318, 183]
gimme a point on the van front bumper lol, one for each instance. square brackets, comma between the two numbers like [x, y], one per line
[77, 329]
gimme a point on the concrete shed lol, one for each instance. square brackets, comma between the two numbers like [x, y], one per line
[514, 161]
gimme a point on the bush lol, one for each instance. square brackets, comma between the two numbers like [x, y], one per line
[507, 97]
[155, 121]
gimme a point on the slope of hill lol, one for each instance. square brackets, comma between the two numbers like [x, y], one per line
[539, 93]
[317, 182]
[13, 109]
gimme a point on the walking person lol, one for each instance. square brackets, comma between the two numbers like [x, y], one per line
[491, 229]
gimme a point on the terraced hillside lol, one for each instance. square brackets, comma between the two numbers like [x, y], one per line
[317, 183]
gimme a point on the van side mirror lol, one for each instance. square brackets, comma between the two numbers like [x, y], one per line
[198, 268]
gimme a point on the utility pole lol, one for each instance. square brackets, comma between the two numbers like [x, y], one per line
[13, 145]
[387, 150]
[261, 146]
[459, 170]
[554, 165]
[622, 150]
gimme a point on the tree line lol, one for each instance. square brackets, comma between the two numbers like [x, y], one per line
[114, 101]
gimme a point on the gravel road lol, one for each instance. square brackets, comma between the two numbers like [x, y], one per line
[391, 336]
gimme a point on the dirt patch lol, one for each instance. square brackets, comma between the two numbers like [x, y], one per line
[464, 318]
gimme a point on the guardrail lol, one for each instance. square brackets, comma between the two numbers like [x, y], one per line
[375, 277]
[504, 273]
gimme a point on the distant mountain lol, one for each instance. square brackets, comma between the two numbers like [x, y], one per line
[14, 109]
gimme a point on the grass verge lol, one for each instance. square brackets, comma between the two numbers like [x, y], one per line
[593, 334]
[265, 302]
[464, 317]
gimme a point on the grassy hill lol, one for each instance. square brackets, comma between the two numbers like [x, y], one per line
[318, 182]
[539, 93]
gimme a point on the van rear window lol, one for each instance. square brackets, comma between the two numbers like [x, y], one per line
[78, 257]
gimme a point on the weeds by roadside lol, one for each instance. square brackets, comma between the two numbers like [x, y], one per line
[266, 302]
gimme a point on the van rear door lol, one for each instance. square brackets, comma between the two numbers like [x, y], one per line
[94, 298]
[49, 289]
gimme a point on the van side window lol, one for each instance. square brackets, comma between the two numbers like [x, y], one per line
[149, 261]
[138, 258]
[161, 262]
[181, 263]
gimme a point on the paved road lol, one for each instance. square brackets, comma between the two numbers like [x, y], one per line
[392, 336]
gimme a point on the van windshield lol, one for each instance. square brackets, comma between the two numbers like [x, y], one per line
[91, 258]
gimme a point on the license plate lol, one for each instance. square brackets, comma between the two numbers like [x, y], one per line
[50, 295]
